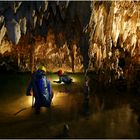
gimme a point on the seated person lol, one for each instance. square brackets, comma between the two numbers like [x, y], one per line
[63, 78]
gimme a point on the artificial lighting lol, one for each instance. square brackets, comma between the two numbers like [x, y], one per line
[30, 100]
[57, 98]
[75, 80]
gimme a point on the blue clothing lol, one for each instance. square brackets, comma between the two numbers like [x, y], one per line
[65, 79]
[41, 87]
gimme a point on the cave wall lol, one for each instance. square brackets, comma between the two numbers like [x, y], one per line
[114, 25]
[115, 39]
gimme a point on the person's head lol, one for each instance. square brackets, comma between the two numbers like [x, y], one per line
[60, 73]
[42, 68]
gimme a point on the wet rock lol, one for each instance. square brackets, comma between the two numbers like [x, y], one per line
[65, 132]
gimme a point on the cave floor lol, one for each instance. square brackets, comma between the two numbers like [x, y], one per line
[111, 114]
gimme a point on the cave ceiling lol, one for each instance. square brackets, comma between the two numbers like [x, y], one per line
[94, 29]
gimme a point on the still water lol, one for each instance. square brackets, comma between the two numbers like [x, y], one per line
[111, 114]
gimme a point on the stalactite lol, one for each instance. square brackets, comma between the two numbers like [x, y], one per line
[44, 6]
[23, 25]
[113, 29]
[53, 6]
[2, 33]
[14, 32]
[120, 21]
[98, 31]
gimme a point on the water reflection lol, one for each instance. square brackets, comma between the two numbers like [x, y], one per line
[116, 121]
[112, 115]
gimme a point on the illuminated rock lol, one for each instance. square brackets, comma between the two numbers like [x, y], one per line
[16, 5]
[5, 47]
[119, 21]
[23, 25]
[97, 28]
[2, 33]
[1, 19]
[44, 6]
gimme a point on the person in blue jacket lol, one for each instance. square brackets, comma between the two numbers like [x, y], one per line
[41, 87]
[63, 78]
